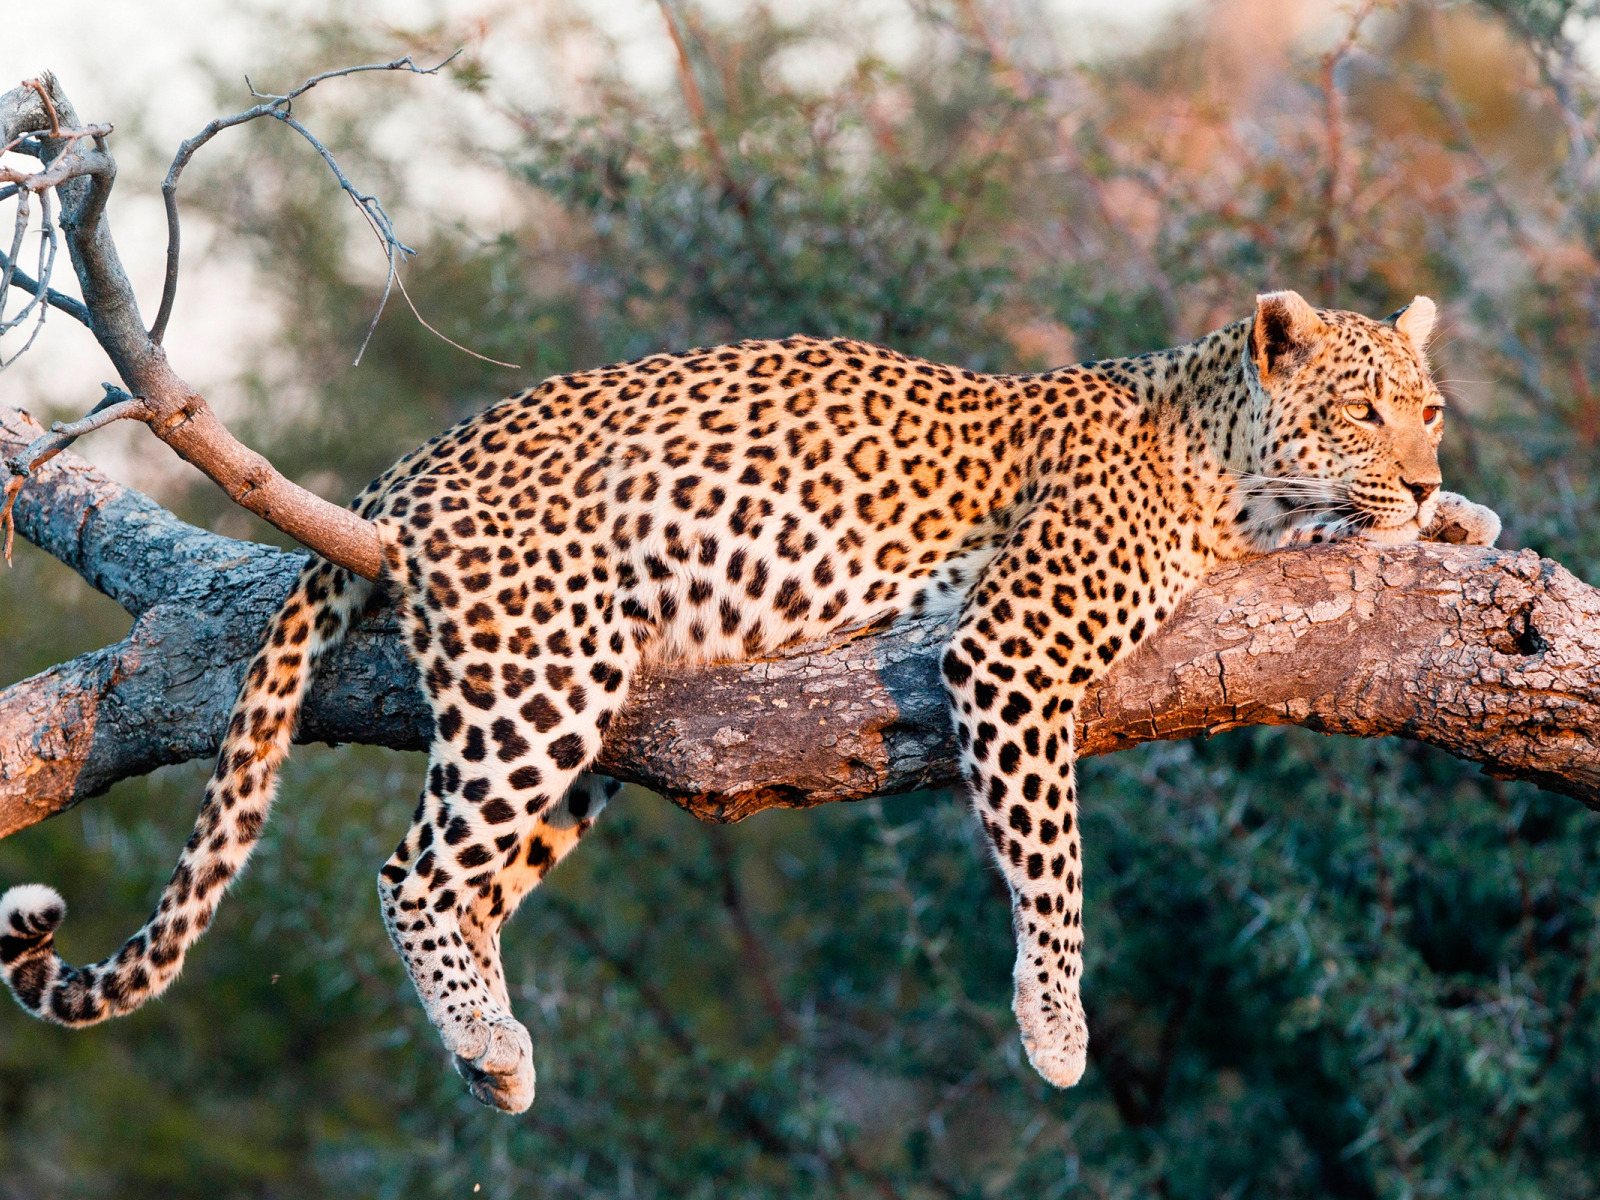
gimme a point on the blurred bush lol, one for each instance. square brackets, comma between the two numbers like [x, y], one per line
[1317, 967]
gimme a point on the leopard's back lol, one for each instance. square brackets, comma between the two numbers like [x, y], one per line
[730, 502]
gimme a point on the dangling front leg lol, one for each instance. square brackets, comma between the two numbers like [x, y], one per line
[1017, 759]
[1014, 676]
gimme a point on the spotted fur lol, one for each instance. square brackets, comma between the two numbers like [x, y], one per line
[730, 502]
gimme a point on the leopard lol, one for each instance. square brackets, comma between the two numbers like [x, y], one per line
[735, 502]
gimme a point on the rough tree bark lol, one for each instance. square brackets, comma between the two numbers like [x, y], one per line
[1492, 656]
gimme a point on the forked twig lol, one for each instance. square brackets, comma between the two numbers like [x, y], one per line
[371, 210]
[73, 308]
[21, 230]
[280, 108]
[47, 260]
[274, 105]
[69, 162]
[115, 405]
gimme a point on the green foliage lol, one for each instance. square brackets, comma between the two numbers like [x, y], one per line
[1316, 967]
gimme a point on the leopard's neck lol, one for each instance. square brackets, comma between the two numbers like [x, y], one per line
[1206, 412]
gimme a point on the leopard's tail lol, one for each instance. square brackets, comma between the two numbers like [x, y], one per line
[313, 620]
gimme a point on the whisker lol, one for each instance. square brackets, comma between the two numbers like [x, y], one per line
[1298, 490]
[1267, 488]
[1300, 512]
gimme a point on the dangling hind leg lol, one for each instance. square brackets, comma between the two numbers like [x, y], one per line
[496, 811]
[422, 910]
[550, 840]
[444, 922]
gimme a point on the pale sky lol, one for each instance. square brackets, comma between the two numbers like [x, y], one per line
[142, 64]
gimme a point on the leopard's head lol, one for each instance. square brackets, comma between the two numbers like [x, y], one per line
[1350, 419]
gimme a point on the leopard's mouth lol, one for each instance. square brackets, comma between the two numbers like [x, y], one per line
[1420, 514]
[1368, 519]
[1378, 509]
[1351, 514]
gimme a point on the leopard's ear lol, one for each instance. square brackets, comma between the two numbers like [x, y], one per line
[1416, 321]
[1286, 333]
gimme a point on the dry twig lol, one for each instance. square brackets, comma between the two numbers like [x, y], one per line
[115, 405]
[280, 108]
[695, 101]
[37, 119]
[1333, 183]
[68, 163]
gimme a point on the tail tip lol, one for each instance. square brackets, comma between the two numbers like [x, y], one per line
[31, 910]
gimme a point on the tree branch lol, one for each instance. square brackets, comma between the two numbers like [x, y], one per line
[115, 405]
[1490, 655]
[56, 299]
[280, 108]
[175, 412]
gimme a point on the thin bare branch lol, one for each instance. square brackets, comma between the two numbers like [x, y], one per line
[1333, 183]
[115, 405]
[411, 304]
[395, 251]
[73, 308]
[278, 107]
[696, 103]
[20, 231]
[9, 323]
[47, 260]
[757, 957]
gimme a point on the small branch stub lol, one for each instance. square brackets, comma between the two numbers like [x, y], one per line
[116, 405]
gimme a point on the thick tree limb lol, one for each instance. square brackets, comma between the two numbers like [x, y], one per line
[1492, 656]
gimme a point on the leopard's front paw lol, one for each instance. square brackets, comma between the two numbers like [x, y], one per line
[1055, 1035]
[495, 1057]
[1460, 522]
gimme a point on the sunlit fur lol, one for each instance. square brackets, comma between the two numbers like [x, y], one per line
[734, 502]
[1350, 427]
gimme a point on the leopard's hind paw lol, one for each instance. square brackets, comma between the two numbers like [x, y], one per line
[501, 1074]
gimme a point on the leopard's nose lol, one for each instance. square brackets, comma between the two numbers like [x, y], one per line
[1421, 490]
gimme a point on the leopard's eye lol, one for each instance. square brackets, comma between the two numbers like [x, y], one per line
[1431, 414]
[1364, 413]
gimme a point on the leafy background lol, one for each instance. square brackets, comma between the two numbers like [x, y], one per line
[1317, 967]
